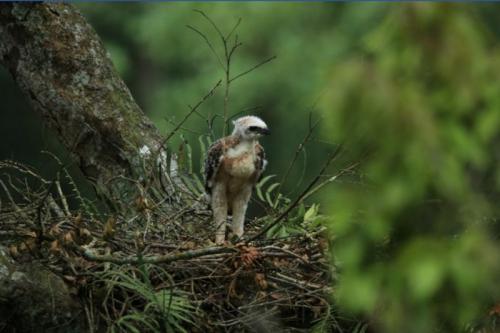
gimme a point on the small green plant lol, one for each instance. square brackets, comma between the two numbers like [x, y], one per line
[143, 306]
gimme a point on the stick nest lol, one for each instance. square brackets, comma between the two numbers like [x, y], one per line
[152, 264]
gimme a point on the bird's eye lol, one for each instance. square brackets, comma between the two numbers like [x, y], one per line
[253, 128]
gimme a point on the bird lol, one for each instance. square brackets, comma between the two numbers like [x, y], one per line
[233, 166]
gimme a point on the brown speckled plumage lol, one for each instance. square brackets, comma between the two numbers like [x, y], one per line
[234, 164]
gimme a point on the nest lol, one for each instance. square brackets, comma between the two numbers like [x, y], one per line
[155, 267]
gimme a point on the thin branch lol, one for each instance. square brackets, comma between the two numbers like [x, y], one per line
[234, 29]
[300, 147]
[193, 109]
[331, 179]
[211, 22]
[208, 43]
[253, 68]
[299, 283]
[234, 48]
[183, 128]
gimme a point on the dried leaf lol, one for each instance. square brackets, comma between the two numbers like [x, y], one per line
[31, 234]
[31, 244]
[109, 228]
[189, 245]
[55, 247]
[69, 278]
[261, 281]
[249, 255]
[261, 295]
[55, 230]
[142, 203]
[277, 296]
[69, 237]
[84, 232]
[78, 220]
[14, 252]
[22, 247]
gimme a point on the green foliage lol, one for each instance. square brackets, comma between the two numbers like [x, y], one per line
[144, 307]
[418, 238]
[412, 90]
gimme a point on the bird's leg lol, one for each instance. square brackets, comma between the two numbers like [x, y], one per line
[239, 205]
[219, 207]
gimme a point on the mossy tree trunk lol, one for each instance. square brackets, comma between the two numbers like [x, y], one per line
[34, 299]
[60, 64]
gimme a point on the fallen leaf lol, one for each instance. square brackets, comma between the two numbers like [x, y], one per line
[69, 278]
[277, 296]
[55, 230]
[109, 230]
[78, 220]
[13, 251]
[261, 281]
[55, 247]
[69, 237]
[248, 255]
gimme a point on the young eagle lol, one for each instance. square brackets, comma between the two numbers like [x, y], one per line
[233, 166]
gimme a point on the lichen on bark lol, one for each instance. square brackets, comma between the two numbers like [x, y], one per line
[60, 63]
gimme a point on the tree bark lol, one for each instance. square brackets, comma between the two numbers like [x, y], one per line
[60, 63]
[33, 299]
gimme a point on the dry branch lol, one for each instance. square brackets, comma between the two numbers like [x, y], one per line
[157, 259]
[233, 285]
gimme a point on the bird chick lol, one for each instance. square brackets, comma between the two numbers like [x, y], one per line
[233, 166]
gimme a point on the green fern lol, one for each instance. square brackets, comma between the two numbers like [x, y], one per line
[157, 310]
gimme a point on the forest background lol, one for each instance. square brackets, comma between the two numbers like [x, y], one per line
[410, 90]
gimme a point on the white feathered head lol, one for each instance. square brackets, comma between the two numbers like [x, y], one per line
[250, 127]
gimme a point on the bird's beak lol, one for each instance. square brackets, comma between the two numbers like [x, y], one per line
[265, 131]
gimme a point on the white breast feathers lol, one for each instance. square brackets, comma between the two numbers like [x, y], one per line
[240, 160]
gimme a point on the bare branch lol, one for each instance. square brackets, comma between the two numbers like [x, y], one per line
[300, 147]
[211, 22]
[209, 44]
[193, 109]
[167, 258]
[253, 68]
[234, 28]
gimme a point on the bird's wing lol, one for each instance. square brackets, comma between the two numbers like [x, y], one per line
[215, 155]
[260, 161]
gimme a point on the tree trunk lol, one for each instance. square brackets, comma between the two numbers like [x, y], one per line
[59, 62]
[33, 299]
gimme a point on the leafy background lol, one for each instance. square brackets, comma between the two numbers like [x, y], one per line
[412, 90]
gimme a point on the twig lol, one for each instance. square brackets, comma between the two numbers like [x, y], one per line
[63, 198]
[298, 283]
[193, 109]
[208, 43]
[234, 28]
[211, 22]
[253, 68]
[300, 147]
[331, 179]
